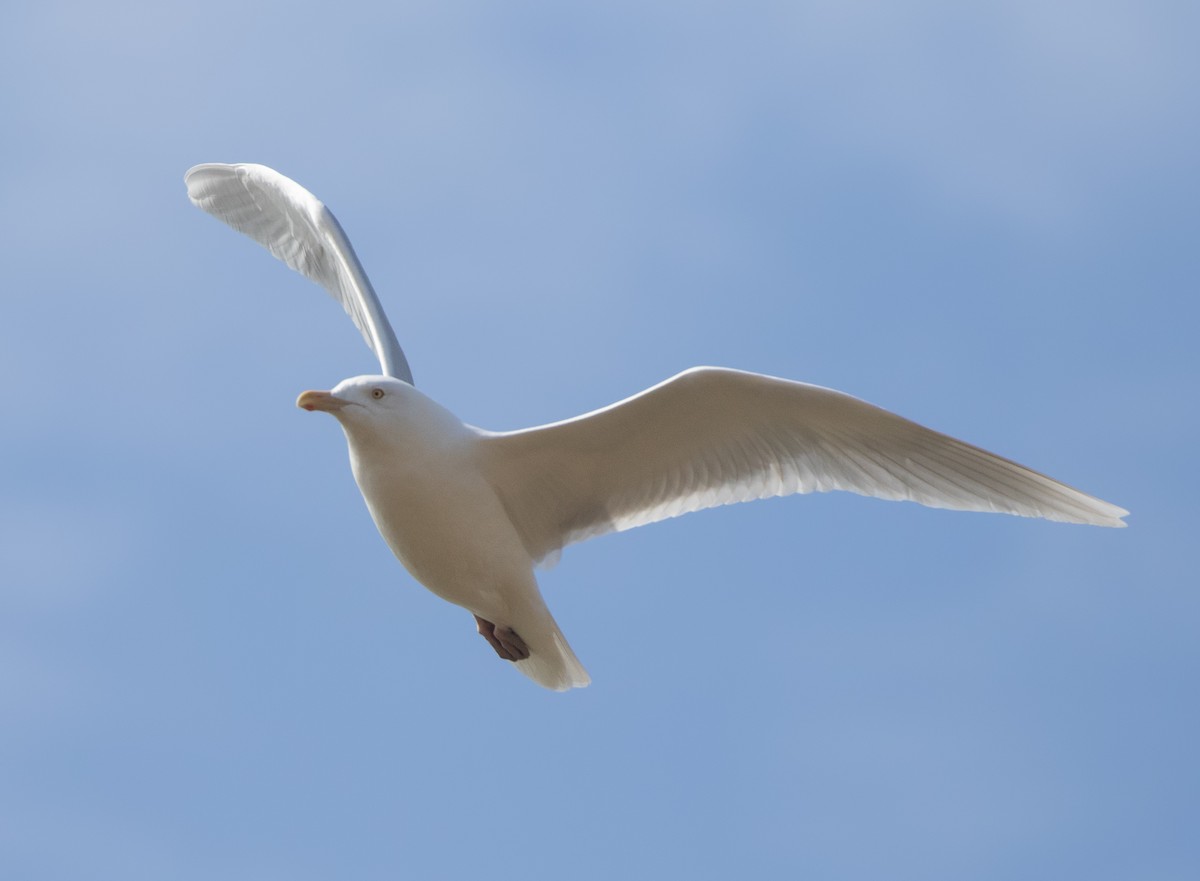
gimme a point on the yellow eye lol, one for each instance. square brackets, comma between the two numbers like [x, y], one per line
[377, 393]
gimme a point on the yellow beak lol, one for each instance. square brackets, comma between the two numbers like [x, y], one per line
[325, 401]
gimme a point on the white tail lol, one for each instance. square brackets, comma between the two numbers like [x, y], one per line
[551, 663]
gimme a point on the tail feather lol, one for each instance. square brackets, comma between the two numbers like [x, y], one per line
[552, 664]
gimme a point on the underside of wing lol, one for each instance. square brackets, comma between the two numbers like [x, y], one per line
[712, 436]
[297, 228]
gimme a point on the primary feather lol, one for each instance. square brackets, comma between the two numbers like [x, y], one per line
[296, 227]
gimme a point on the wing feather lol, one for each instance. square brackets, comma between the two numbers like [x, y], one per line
[297, 228]
[712, 436]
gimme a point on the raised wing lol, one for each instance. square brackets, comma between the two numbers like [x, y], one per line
[712, 436]
[296, 227]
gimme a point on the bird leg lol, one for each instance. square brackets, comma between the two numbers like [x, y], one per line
[503, 639]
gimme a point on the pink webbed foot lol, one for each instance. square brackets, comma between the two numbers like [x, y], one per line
[504, 640]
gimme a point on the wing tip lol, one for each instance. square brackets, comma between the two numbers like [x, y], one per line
[203, 180]
[205, 169]
[1099, 513]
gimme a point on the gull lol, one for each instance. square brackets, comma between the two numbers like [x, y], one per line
[471, 513]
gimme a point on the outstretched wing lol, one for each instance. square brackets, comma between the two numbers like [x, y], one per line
[712, 436]
[296, 227]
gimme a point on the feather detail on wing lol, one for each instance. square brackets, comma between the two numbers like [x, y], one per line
[712, 436]
[296, 227]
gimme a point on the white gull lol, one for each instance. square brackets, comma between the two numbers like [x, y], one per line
[470, 513]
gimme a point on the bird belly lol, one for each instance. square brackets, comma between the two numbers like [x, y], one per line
[449, 530]
[445, 523]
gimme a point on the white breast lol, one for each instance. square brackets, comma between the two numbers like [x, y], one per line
[444, 522]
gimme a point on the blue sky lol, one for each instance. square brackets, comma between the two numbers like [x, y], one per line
[980, 216]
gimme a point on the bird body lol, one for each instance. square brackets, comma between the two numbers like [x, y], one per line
[418, 468]
[470, 512]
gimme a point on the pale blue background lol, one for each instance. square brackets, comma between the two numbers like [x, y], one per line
[983, 216]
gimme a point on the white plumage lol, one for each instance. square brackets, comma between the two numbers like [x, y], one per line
[296, 227]
[470, 512]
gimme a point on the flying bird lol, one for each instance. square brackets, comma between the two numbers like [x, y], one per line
[470, 513]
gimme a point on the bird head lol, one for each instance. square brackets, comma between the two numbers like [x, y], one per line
[359, 397]
[382, 407]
